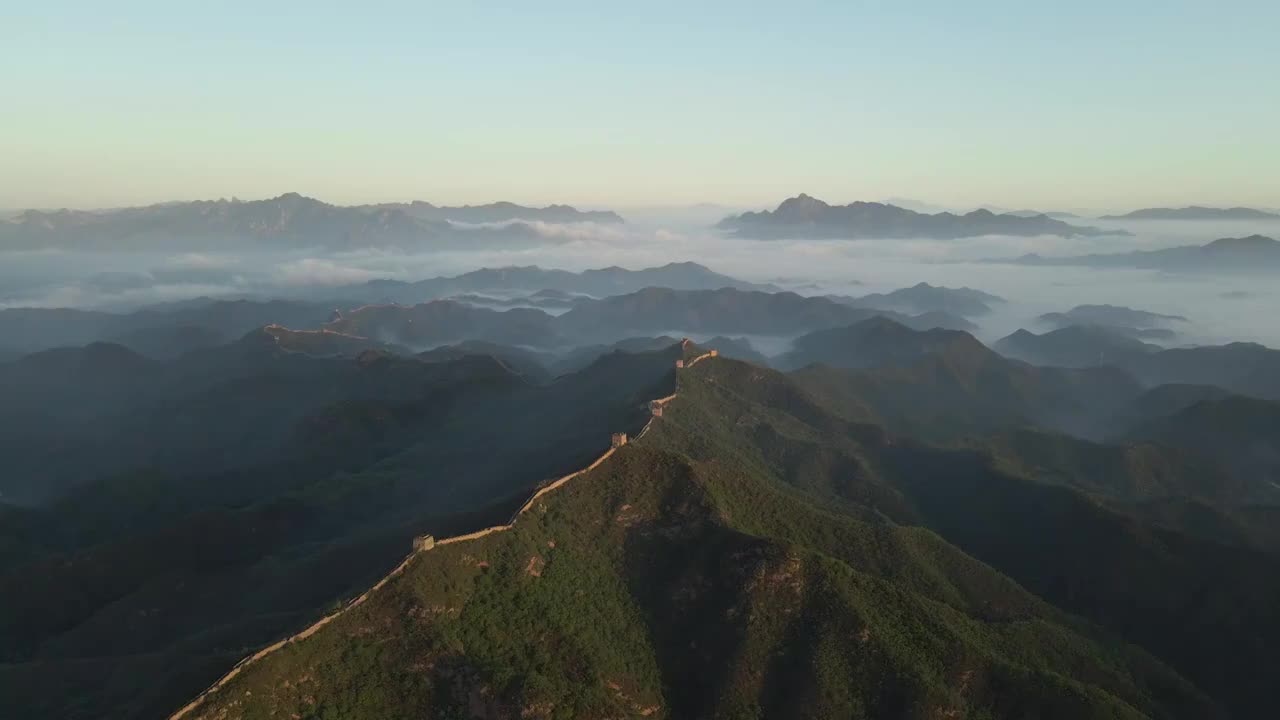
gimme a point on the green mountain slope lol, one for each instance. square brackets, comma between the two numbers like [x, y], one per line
[752, 555]
[943, 383]
[1240, 434]
[130, 593]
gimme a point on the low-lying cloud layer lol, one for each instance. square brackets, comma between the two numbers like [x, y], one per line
[1220, 308]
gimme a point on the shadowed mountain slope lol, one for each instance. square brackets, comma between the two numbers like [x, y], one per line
[924, 298]
[504, 281]
[687, 577]
[136, 589]
[1074, 346]
[944, 384]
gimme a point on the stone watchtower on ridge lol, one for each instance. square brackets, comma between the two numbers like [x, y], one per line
[424, 542]
[617, 440]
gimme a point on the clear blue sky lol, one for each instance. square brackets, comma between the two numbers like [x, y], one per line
[1039, 104]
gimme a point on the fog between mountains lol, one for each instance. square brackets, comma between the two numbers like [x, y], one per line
[1221, 309]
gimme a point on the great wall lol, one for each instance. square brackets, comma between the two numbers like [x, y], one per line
[426, 542]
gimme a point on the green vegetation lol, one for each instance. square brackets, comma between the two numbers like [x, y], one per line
[753, 556]
[135, 590]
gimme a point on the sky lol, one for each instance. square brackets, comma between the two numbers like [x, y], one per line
[1085, 104]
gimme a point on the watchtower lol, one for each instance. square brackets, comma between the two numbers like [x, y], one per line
[655, 407]
[680, 364]
[423, 542]
[617, 440]
[713, 353]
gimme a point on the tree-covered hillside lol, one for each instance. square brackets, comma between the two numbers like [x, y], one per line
[754, 555]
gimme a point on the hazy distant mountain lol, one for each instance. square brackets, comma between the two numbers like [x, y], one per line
[1242, 368]
[1109, 315]
[1255, 253]
[599, 282]
[1073, 346]
[873, 343]
[807, 217]
[543, 299]
[723, 312]
[161, 331]
[946, 384]
[1195, 212]
[327, 343]
[931, 208]
[287, 221]
[498, 212]
[924, 298]
[1235, 432]
[1059, 215]
[529, 364]
[649, 312]
[442, 322]
[168, 329]
[933, 319]
[1116, 320]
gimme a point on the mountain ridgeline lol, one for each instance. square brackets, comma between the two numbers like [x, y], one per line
[172, 328]
[288, 221]
[756, 554]
[1252, 254]
[825, 506]
[807, 217]
[1195, 212]
[189, 482]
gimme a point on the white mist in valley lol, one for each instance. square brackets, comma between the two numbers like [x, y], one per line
[1219, 308]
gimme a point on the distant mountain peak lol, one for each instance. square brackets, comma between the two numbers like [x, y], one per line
[1252, 254]
[804, 216]
[1250, 242]
[801, 205]
[1196, 212]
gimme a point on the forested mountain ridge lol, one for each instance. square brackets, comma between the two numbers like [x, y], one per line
[737, 558]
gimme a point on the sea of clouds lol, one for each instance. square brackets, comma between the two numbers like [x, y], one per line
[1221, 308]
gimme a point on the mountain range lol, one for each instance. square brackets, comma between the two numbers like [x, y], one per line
[1195, 212]
[506, 281]
[288, 221]
[925, 298]
[807, 217]
[1244, 368]
[498, 212]
[758, 554]
[1252, 254]
[887, 519]
[167, 330]
[943, 384]
[651, 311]
[1073, 346]
[233, 494]
[1110, 316]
